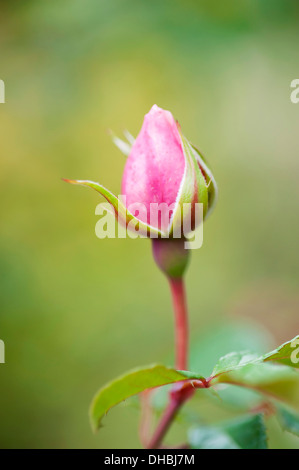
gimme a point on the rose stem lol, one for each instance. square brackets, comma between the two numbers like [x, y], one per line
[181, 322]
[181, 341]
[146, 417]
[164, 424]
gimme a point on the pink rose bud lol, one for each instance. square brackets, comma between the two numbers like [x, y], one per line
[155, 166]
[164, 174]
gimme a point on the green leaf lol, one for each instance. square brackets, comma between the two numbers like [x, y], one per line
[233, 360]
[284, 354]
[132, 383]
[288, 419]
[287, 353]
[277, 381]
[248, 432]
[204, 437]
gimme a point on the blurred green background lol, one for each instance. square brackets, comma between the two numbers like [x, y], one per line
[77, 311]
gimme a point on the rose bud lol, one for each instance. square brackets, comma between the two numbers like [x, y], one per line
[164, 171]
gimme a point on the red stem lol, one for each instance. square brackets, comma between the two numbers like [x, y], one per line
[181, 322]
[164, 424]
[180, 392]
[146, 417]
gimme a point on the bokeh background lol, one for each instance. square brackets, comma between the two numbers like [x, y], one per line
[77, 311]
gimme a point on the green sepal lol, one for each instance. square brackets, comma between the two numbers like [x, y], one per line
[209, 177]
[193, 189]
[122, 214]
